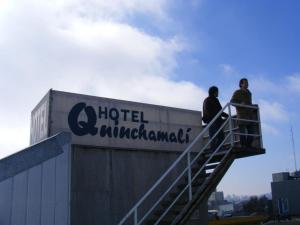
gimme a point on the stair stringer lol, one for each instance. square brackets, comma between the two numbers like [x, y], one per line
[201, 195]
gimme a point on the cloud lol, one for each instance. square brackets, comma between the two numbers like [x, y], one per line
[228, 69]
[269, 129]
[155, 90]
[294, 82]
[272, 111]
[262, 85]
[57, 45]
[282, 88]
[96, 9]
[13, 138]
[117, 9]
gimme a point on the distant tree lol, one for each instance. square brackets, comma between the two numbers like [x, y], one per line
[256, 205]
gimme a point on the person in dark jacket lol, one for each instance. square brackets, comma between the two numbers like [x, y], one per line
[244, 97]
[211, 107]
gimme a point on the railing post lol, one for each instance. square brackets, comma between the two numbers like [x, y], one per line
[259, 127]
[135, 217]
[189, 175]
[230, 126]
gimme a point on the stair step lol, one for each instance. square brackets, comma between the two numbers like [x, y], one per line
[207, 167]
[183, 200]
[179, 202]
[196, 168]
[195, 184]
[220, 152]
[172, 211]
[200, 178]
[216, 158]
[162, 222]
[173, 195]
[224, 147]
[167, 219]
[211, 166]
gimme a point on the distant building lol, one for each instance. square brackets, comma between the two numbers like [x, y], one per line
[286, 193]
[216, 199]
[226, 210]
[217, 196]
[217, 202]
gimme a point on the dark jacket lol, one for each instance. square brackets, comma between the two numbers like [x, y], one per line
[211, 107]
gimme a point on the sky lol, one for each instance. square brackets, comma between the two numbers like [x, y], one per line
[166, 52]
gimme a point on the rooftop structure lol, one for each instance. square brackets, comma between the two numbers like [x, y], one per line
[286, 193]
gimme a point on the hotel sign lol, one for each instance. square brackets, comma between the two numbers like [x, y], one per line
[104, 122]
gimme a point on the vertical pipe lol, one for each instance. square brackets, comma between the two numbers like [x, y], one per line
[230, 126]
[293, 143]
[135, 217]
[189, 175]
[259, 127]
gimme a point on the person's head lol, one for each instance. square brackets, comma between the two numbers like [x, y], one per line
[213, 91]
[244, 83]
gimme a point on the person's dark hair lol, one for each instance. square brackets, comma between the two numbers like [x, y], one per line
[242, 80]
[212, 90]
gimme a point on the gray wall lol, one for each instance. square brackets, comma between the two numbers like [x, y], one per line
[106, 183]
[39, 194]
[289, 189]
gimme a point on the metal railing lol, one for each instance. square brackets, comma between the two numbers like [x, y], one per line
[231, 138]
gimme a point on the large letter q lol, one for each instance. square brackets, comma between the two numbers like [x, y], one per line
[81, 128]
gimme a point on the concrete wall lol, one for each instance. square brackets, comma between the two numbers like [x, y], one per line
[106, 183]
[34, 184]
[288, 189]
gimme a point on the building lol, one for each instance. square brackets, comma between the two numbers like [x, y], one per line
[217, 202]
[215, 199]
[96, 160]
[286, 193]
[216, 196]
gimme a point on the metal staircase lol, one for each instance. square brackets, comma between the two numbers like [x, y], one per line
[198, 171]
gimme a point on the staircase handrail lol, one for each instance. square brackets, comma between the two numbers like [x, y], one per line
[183, 172]
[183, 154]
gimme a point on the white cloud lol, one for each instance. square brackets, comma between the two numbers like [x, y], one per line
[45, 45]
[153, 89]
[269, 129]
[96, 9]
[294, 82]
[263, 85]
[14, 138]
[227, 69]
[272, 111]
[282, 88]
[114, 9]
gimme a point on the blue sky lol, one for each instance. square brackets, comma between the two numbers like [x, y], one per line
[105, 48]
